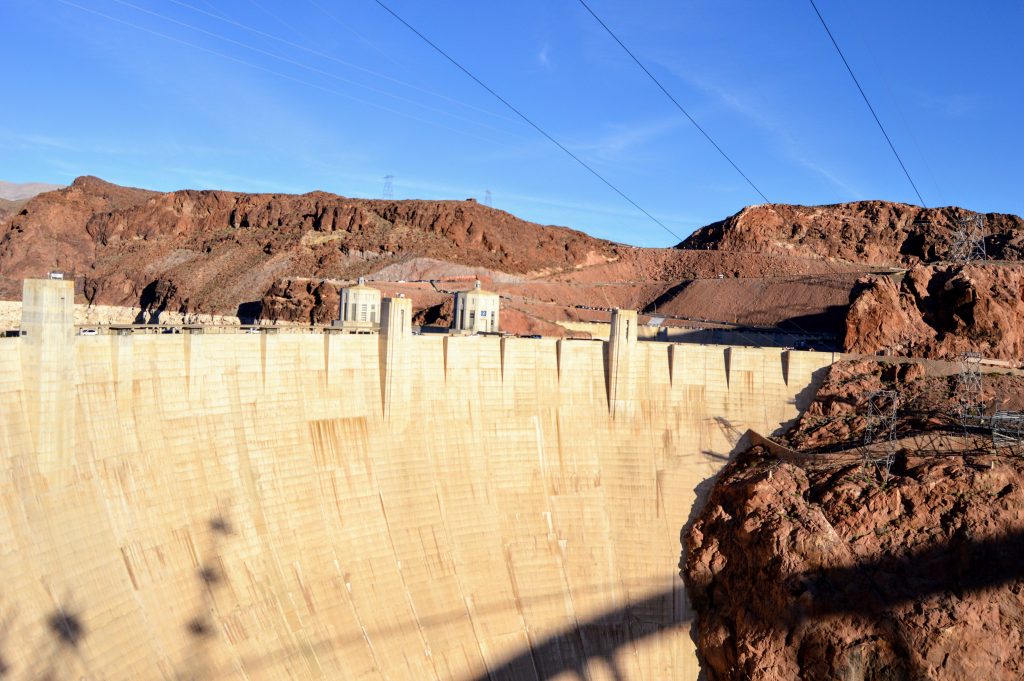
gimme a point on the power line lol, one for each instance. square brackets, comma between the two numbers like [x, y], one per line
[525, 118]
[300, 64]
[868, 102]
[324, 55]
[279, 74]
[674, 101]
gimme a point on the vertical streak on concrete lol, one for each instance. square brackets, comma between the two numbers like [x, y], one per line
[393, 354]
[559, 353]
[672, 363]
[503, 340]
[617, 365]
[444, 357]
[193, 364]
[263, 361]
[122, 350]
[327, 359]
[48, 367]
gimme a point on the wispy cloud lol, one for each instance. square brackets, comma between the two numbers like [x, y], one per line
[544, 56]
[80, 145]
[31, 141]
[623, 142]
[756, 115]
[950, 105]
[200, 178]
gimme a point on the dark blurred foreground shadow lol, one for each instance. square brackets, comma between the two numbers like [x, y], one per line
[599, 640]
[959, 566]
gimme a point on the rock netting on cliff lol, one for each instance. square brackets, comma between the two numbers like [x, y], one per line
[827, 567]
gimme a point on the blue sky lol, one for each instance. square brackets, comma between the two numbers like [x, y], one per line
[267, 95]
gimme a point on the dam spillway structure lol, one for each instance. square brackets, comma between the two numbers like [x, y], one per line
[352, 506]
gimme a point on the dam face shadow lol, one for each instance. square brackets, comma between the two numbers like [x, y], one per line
[601, 640]
[868, 591]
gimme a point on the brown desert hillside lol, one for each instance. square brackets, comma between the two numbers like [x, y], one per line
[216, 251]
[868, 232]
[211, 250]
[284, 257]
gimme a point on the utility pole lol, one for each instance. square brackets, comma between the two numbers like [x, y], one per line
[389, 187]
[487, 198]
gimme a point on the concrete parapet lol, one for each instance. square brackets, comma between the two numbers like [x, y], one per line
[393, 350]
[620, 347]
[47, 361]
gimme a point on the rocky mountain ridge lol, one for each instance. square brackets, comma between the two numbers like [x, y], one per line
[212, 250]
[283, 257]
[868, 232]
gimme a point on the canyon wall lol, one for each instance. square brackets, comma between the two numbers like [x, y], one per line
[304, 506]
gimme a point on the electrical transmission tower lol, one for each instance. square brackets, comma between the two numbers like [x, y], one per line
[487, 198]
[968, 243]
[389, 187]
[1008, 430]
[970, 407]
[883, 406]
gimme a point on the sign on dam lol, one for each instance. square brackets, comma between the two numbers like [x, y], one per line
[326, 506]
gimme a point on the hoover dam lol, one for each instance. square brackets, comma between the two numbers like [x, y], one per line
[392, 506]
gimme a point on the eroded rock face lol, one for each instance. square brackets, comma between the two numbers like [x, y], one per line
[940, 311]
[871, 232]
[309, 300]
[826, 568]
[827, 573]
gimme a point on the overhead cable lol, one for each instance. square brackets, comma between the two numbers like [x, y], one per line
[525, 118]
[674, 101]
[279, 74]
[868, 102]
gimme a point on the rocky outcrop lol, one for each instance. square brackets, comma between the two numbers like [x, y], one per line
[940, 311]
[870, 232]
[801, 572]
[308, 300]
[827, 567]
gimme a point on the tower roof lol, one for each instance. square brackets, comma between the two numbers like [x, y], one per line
[361, 285]
[476, 291]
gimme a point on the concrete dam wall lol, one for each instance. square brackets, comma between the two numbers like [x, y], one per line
[307, 506]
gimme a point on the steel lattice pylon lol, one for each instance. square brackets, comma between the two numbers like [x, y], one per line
[1008, 430]
[970, 408]
[968, 242]
[883, 406]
